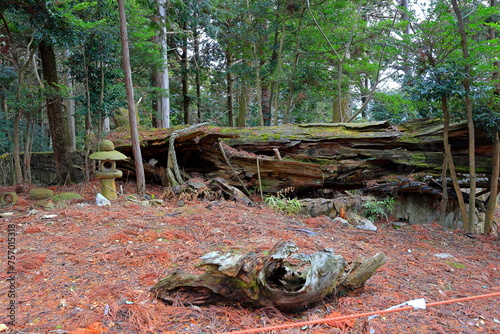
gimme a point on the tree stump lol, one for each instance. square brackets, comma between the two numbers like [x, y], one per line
[285, 279]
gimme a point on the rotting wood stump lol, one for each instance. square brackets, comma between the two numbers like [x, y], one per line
[285, 279]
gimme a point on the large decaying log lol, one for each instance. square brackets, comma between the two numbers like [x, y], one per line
[315, 156]
[285, 279]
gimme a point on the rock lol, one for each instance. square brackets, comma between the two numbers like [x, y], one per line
[41, 193]
[443, 255]
[400, 224]
[366, 224]
[318, 207]
[340, 221]
[66, 197]
[196, 184]
[44, 203]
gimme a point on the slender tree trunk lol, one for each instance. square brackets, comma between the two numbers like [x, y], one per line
[448, 163]
[277, 86]
[243, 106]
[28, 144]
[258, 78]
[58, 122]
[103, 118]
[266, 102]
[88, 116]
[185, 81]
[291, 84]
[197, 73]
[18, 172]
[470, 120]
[70, 106]
[492, 202]
[229, 89]
[163, 101]
[136, 148]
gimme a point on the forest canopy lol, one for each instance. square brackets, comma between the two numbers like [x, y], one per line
[243, 63]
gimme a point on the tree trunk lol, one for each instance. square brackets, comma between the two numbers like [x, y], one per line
[58, 122]
[470, 118]
[196, 43]
[18, 172]
[448, 162]
[291, 83]
[243, 106]
[492, 202]
[70, 106]
[229, 89]
[266, 102]
[184, 80]
[162, 80]
[141, 181]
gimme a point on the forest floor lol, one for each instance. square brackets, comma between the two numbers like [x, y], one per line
[88, 269]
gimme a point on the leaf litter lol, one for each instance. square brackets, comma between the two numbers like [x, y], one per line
[88, 269]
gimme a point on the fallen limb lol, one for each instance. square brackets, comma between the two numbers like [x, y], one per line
[284, 279]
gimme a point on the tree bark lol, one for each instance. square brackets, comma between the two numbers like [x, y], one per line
[229, 89]
[184, 79]
[243, 106]
[141, 181]
[492, 202]
[196, 45]
[163, 81]
[470, 119]
[70, 106]
[58, 122]
[448, 162]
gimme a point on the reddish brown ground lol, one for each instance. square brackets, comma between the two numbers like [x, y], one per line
[90, 261]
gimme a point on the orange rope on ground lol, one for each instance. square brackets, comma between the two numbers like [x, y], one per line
[359, 315]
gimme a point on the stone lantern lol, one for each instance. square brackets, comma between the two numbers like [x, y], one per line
[107, 172]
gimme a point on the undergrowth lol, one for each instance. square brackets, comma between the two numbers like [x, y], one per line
[378, 209]
[282, 204]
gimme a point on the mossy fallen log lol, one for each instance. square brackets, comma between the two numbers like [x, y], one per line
[314, 156]
[285, 279]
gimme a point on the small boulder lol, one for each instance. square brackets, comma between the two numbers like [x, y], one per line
[366, 224]
[66, 197]
[41, 193]
[341, 221]
[44, 203]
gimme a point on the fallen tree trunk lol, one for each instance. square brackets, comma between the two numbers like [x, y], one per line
[315, 156]
[284, 279]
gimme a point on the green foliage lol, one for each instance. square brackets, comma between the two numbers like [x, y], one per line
[280, 203]
[378, 209]
[292, 57]
[393, 106]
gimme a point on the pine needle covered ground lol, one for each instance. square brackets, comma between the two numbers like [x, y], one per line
[89, 269]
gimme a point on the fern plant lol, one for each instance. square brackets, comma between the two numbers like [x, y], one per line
[378, 209]
[280, 203]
